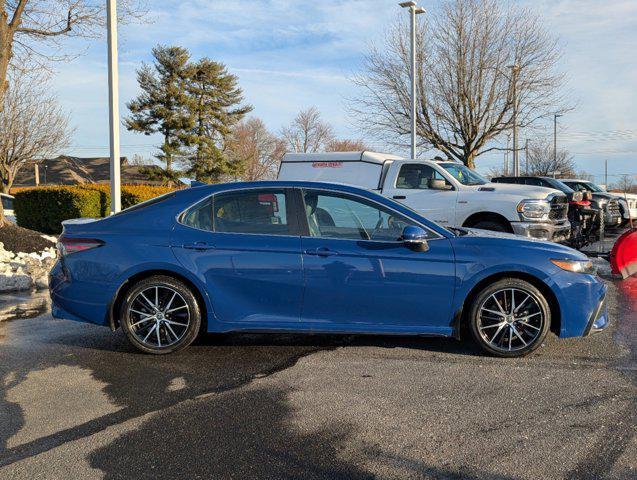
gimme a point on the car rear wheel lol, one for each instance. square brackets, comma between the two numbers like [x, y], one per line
[510, 318]
[160, 315]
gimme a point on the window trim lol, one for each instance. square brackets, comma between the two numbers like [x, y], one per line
[436, 235]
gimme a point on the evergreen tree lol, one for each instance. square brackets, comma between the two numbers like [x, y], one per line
[214, 103]
[163, 105]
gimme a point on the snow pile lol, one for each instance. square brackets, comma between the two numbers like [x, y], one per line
[23, 271]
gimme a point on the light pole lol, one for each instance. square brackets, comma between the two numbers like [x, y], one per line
[555, 116]
[413, 11]
[514, 80]
[506, 157]
[113, 100]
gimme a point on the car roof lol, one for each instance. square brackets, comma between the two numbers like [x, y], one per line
[218, 187]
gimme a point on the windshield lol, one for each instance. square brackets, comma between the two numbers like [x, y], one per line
[585, 186]
[464, 175]
[561, 186]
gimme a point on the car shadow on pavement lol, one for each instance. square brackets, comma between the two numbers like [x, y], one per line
[218, 367]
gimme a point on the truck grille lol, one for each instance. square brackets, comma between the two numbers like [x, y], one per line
[612, 207]
[559, 209]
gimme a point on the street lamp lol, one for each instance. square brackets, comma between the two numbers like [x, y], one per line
[555, 116]
[113, 100]
[413, 11]
[515, 68]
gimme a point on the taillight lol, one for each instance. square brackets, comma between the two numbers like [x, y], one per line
[68, 245]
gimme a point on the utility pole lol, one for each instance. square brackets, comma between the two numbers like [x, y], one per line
[606, 173]
[555, 141]
[413, 11]
[113, 111]
[506, 157]
[514, 80]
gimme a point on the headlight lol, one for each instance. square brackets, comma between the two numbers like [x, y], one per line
[534, 209]
[577, 266]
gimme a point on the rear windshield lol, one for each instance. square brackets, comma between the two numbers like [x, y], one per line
[148, 203]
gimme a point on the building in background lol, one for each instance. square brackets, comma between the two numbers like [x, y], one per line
[66, 170]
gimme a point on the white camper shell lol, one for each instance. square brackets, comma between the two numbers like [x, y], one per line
[362, 169]
[446, 192]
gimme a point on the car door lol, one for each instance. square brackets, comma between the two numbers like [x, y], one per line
[360, 276]
[245, 247]
[412, 187]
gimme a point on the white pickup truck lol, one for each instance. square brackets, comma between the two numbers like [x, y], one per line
[446, 192]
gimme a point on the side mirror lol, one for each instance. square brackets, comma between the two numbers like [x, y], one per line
[437, 184]
[415, 238]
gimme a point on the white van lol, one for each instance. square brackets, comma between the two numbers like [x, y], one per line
[446, 192]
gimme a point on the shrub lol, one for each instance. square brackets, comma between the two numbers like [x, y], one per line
[45, 208]
[105, 196]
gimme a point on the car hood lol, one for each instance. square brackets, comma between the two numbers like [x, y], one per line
[490, 239]
[525, 191]
[624, 196]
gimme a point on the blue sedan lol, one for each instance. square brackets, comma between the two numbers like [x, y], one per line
[315, 257]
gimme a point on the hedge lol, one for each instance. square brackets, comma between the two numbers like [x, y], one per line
[44, 208]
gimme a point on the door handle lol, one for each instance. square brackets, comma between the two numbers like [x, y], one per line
[399, 197]
[321, 252]
[201, 246]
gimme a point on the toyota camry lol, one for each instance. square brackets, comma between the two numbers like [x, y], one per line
[315, 258]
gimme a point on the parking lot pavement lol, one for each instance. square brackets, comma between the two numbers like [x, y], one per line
[77, 402]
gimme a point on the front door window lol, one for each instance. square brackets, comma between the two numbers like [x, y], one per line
[338, 216]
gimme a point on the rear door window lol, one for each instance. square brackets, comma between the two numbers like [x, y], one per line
[262, 212]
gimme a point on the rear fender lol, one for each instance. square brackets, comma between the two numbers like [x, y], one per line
[157, 268]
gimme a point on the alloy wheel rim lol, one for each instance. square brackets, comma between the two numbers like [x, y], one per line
[158, 316]
[510, 319]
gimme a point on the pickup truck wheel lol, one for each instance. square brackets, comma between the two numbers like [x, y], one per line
[510, 318]
[492, 225]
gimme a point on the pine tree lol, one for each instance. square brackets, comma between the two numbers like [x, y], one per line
[163, 105]
[214, 99]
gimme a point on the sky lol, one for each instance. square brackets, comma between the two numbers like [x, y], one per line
[292, 55]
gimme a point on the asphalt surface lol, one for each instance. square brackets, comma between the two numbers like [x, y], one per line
[76, 401]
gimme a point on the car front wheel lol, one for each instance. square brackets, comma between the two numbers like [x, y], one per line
[510, 318]
[160, 315]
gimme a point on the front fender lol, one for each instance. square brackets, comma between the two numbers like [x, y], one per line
[577, 294]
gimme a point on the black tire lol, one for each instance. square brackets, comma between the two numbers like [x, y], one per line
[529, 318]
[177, 322]
[493, 225]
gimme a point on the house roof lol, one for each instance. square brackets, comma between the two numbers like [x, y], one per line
[66, 170]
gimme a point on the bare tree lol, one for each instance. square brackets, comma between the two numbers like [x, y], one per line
[346, 145]
[541, 161]
[464, 82]
[308, 132]
[30, 29]
[625, 184]
[256, 149]
[32, 127]
[584, 175]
